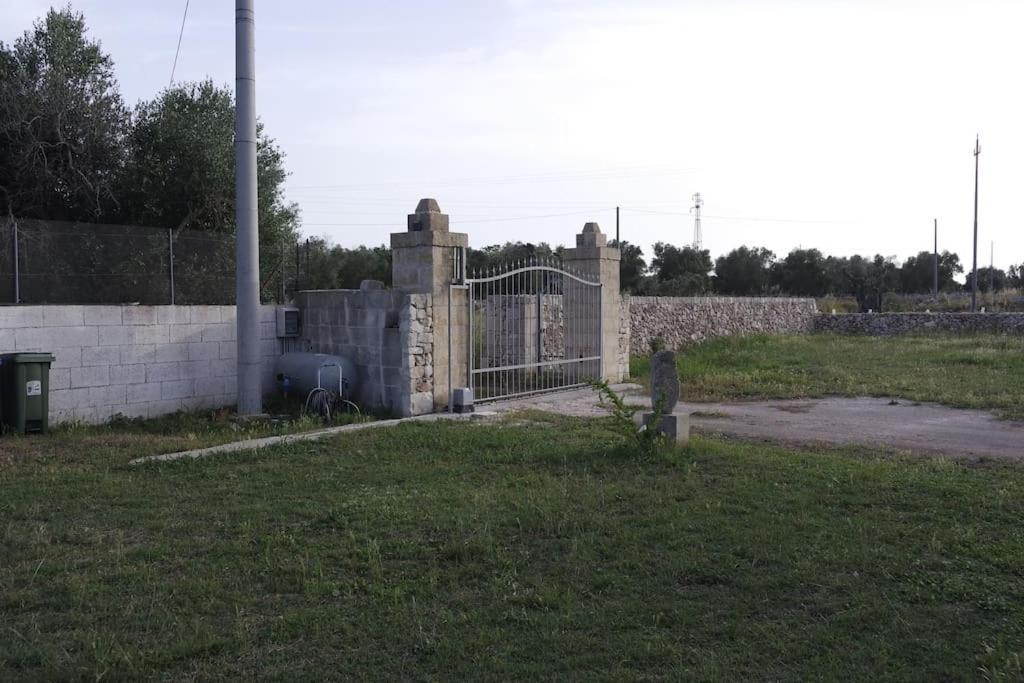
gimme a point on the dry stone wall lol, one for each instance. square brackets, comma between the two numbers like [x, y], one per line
[882, 324]
[680, 321]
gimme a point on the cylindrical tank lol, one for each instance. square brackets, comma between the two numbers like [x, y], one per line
[297, 373]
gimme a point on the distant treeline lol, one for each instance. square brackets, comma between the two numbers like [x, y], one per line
[675, 271]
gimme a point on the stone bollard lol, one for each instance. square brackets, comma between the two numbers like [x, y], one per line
[665, 389]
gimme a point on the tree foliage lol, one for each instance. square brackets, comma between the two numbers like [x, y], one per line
[917, 274]
[62, 123]
[680, 271]
[801, 273]
[744, 271]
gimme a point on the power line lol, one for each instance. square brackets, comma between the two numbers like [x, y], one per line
[181, 33]
[478, 220]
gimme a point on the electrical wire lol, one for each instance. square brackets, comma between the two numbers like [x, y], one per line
[181, 33]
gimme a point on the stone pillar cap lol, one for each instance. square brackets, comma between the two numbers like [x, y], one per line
[591, 236]
[428, 217]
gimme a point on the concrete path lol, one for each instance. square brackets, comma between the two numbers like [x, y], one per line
[876, 422]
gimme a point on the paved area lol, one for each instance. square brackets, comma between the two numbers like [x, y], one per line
[876, 422]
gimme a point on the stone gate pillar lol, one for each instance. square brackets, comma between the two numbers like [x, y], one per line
[423, 261]
[597, 260]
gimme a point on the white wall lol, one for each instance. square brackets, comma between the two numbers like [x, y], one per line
[137, 361]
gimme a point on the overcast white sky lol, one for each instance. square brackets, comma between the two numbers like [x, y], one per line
[846, 126]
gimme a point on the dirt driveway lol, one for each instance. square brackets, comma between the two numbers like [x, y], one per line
[876, 422]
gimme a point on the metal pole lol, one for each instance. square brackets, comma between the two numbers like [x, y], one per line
[974, 271]
[935, 262]
[247, 294]
[617, 242]
[170, 259]
[17, 266]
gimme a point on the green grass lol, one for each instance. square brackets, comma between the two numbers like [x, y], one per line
[983, 371]
[539, 551]
[72, 443]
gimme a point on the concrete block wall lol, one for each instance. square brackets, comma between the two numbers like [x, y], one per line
[387, 334]
[135, 361]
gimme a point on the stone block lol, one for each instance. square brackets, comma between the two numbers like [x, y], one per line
[49, 338]
[226, 350]
[21, 316]
[223, 367]
[115, 335]
[68, 399]
[202, 351]
[107, 396]
[137, 353]
[139, 315]
[194, 368]
[206, 314]
[185, 334]
[67, 358]
[162, 372]
[151, 334]
[675, 427]
[63, 316]
[268, 314]
[209, 386]
[219, 332]
[6, 341]
[168, 353]
[185, 388]
[102, 315]
[128, 374]
[60, 378]
[101, 355]
[173, 315]
[421, 403]
[96, 376]
[143, 393]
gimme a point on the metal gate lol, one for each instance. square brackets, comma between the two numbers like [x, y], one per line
[534, 326]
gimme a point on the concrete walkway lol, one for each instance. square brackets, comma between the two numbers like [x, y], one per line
[875, 422]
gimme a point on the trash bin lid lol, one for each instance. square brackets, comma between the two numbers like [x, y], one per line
[33, 357]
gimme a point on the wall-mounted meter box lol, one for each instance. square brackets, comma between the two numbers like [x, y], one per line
[287, 321]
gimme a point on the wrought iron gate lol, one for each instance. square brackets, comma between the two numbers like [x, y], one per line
[534, 326]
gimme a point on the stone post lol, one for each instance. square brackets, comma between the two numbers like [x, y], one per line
[423, 262]
[593, 257]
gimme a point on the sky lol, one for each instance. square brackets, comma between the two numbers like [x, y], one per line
[845, 126]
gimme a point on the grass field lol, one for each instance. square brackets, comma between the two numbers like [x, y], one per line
[539, 550]
[964, 371]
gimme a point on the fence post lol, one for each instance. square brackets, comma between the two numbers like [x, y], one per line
[17, 268]
[170, 253]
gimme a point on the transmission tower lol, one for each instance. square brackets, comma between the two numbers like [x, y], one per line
[698, 239]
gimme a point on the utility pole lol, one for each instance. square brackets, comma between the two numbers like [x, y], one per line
[618, 243]
[935, 262]
[247, 260]
[698, 237]
[974, 271]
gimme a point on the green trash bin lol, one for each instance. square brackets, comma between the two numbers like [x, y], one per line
[25, 385]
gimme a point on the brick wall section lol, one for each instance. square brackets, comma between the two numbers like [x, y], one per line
[688, 320]
[882, 324]
[136, 361]
[387, 334]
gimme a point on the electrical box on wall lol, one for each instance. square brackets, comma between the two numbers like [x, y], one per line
[287, 322]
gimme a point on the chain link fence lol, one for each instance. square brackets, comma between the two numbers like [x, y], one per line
[54, 262]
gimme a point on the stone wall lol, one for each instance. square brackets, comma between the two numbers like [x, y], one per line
[387, 334]
[686, 320]
[880, 324]
[136, 361]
